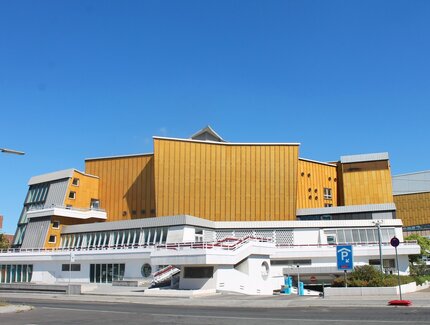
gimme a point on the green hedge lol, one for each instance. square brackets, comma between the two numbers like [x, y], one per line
[369, 276]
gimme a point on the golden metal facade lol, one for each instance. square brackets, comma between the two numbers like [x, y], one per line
[225, 182]
[413, 209]
[126, 187]
[366, 183]
[313, 178]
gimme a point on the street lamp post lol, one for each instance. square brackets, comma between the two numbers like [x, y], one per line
[377, 223]
[15, 152]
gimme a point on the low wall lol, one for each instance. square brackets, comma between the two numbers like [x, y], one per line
[74, 289]
[369, 291]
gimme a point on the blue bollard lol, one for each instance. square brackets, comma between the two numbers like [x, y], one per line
[301, 289]
[288, 283]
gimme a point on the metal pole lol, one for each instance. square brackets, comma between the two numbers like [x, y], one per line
[346, 283]
[398, 274]
[380, 247]
[70, 270]
[298, 280]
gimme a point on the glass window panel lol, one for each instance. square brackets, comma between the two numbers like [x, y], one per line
[18, 273]
[348, 236]
[363, 235]
[92, 273]
[13, 273]
[24, 273]
[29, 272]
[340, 236]
[2, 273]
[371, 236]
[115, 272]
[98, 273]
[104, 273]
[121, 271]
[355, 235]
[109, 273]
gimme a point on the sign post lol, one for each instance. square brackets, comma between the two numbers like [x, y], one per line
[395, 242]
[345, 259]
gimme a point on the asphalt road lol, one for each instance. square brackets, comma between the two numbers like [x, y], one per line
[66, 312]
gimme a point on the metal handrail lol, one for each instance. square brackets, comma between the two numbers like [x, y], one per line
[229, 243]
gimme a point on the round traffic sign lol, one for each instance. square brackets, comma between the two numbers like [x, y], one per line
[394, 242]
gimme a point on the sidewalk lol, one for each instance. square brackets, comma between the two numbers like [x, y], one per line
[188, 298]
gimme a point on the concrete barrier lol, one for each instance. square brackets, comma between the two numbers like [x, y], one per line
[73, 289]
[369, 291]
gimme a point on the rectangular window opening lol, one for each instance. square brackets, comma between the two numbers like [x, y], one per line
[72, 195]
[327, 193]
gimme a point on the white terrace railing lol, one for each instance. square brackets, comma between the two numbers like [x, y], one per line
[229, 243]
[53, 206]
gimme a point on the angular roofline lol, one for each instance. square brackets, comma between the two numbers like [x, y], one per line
[364, 157]
[411, 193]
[120, 156]
[61, 174]
[318, 162]
[413, 173]
[208, 129]
[230, 143]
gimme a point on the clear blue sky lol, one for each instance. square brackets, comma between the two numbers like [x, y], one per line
[82, 79]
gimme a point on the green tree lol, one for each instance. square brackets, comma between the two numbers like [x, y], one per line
[424, 243]
[4, 243]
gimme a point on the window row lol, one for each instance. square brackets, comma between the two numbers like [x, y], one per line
[106, 273]
[10, 273]
[119, 238]
[369, 235]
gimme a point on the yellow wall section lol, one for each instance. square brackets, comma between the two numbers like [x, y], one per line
[57, 232]
[413, 209]
[223, 182]
[126, 187]
[87, 189]
[367, 183]
[312, 178]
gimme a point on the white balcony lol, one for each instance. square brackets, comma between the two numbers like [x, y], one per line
[67, 212]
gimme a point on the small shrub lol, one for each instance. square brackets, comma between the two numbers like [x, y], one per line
[369, 276]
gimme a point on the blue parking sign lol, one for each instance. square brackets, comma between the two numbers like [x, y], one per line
[345, 258]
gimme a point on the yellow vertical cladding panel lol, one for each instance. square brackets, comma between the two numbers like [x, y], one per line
[228, 182]
[313, 177]
[86, 188]
[126, 186]
[57, 231]
[367, 183]
[413, 209]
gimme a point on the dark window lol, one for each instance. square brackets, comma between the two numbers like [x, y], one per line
[72, 195]
[95, 204]
[199, 272]
[56, 224]
[75, 182]
[52, 239]
[75, 267]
